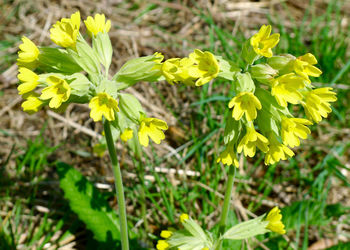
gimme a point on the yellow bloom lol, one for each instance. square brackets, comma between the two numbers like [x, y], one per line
[285, 89]
[29, 52]
[29, 80]
[97, 24]
[58, 91]
[303, 66]
[165, 234]
[176, 70]
[274, 218]
[65, 32]
[151, 127]
[205, 248]
[127, 134]
[316, 103]
[162, 245]
[250, 141]
[206, 67]
[277, 151]
[245, 103]
[32, 103]
[262, 42]
[103, 105]
[293, 129]
[228, 157]
[184, 217]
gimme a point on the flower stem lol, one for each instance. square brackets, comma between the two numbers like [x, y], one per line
[227, 199]
[118, 186]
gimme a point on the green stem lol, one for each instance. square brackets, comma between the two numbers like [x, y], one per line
[227, 199]
[118, 181]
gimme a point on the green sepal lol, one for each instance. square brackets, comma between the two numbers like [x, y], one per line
[247, 229]
[228, 69]
[263, 72]
[244, 83]
[130, 106]
[57, 60]
[281, 61]
[147, 68]
[107, 86]
[233, 130]
[248, 53]
[86, 57]
[102, 46]
[80, 84]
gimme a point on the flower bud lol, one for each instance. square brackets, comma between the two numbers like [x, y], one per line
[130, 106]
[244, 83]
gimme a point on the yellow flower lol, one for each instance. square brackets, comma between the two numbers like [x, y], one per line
[32, 103]
[293, 129]
[250, 141]
[206, 67]
[151, 127]
[228, 157]
[29, 52]
[303, 66]
[176, 70]
[127, 134]
[165, 234]
[65, 32]
[184, 217]
[245, 103]
[97, 24]
[274, 218]
[103, 105]
[285, 89]
[162, 245]
[316, 103]
[205, 248]
[29, 80]
[262, 42]
[58, 91]
[277, 151]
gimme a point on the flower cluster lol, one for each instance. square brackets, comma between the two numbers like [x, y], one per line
[192, 236]
[75, 72]
[260, 115]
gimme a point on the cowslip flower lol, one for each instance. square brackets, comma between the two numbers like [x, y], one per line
[245, 103]
[285, 89]
[32, 103]
[29, 52]
[176, 70]
[29, 80]
[303, 66]
[250, 141]
[165, 234]
[127, 134]
[228, 157]
[184, 217]
[274, 218]
[65, 32]
[103, 105]
[206, 67]
[277, 151]
[58, 91]
[262, 42]
[316, 103]
[294, 128]
[97, 24]
[162, 245]
[151, 128]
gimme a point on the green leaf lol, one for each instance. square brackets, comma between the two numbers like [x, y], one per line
[90, 206]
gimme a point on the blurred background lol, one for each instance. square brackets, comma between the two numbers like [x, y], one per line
[181, 174]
